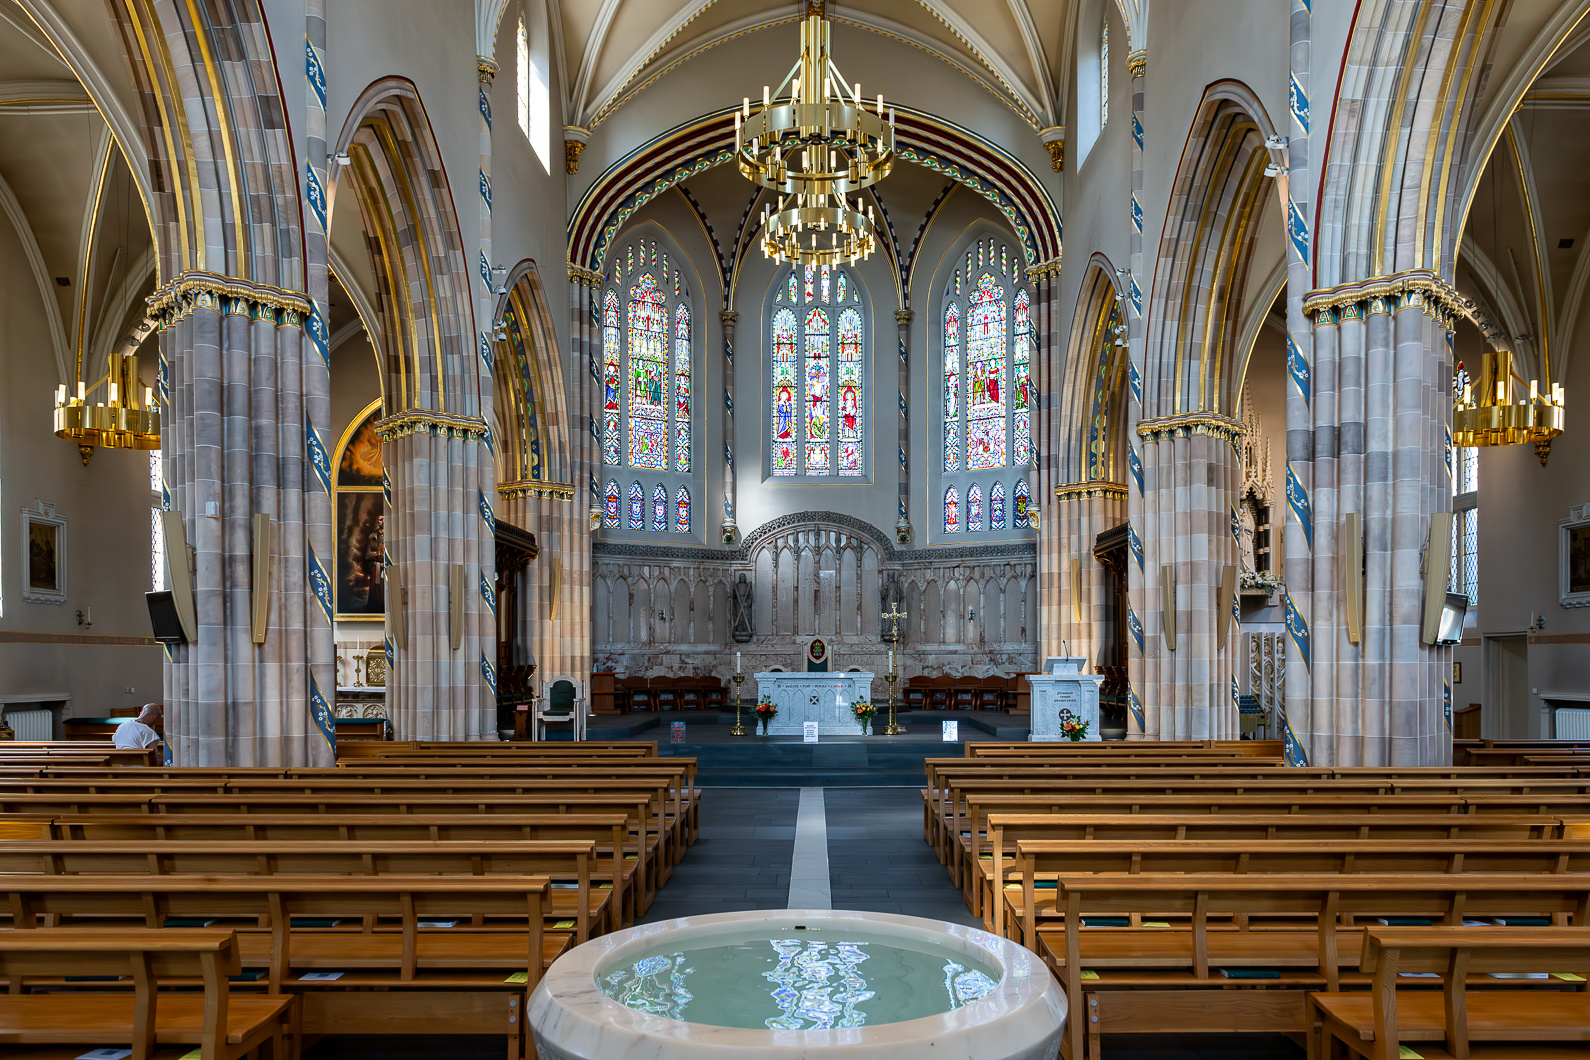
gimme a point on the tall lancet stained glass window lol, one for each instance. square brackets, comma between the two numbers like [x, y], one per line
[648, 392]
[817, 399]
[985, 411]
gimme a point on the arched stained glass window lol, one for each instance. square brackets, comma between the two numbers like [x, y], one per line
[681, 386]
[637, 507]
[682, 511]
[985, 382]
[1023, 499]
[817, 403]
[659, 509]
[952, 511]
[610, 503]
[648, 358]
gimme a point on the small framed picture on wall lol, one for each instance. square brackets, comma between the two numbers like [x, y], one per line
[43, 555]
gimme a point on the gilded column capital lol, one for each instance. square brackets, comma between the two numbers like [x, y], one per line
[1044, 269]
[1073, 490]
[574, 140]
[192, 290]
[1137, 62]
[1188, 424]
[426, 421]
[903, 316]
[579, 274]
[729, 317]
[1054, 141]
[533, 488]
[1413, 287]
[486, 68]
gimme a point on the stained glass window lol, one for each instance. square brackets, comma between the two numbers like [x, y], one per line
[682, 511]
[988, 346]
[952, 511]
[637, 507]
[1023, 499]
[681, 387]
[1021, 383]
[817, 405]
[659, 509]
[610, 376]
[648, 352]
[952, 387]
[610, 501]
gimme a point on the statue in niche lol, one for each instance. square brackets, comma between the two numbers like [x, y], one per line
[1247, 538]
[740, 611]
[889, 600]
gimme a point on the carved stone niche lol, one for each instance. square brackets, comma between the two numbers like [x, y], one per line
[744, 627]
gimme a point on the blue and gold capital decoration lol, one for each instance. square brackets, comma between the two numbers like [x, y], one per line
[487, 516]
[1297, 102]
[1297, 500]
[489, 672]
[1297, 367]
[488, 593]
[320, 583]
[320, 711]
[317, 456]
[1297, 629]
[315, 72]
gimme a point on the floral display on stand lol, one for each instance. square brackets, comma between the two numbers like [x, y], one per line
[1074, 729]
[765, 710]
[863, 710]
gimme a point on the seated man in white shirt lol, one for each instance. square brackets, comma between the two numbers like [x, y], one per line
[139, 733]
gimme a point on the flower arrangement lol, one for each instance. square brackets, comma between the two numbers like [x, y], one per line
[765, 710]
[1260, 582]
[1074, 729]
[863, 710]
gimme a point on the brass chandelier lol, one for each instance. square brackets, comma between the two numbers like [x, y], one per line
[1493, 411]
[119, 422]
[815, 149]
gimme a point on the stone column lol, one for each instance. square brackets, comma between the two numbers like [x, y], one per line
[1082, 511]
[1380, 412]
[1050, 442]
[487, 304]
[1139, 602]
[234, 441]
[902, 524]
[730, 528]
[1296, 547]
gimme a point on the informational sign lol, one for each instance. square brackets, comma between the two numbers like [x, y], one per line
[677, 732]
[809, 730]
[952, 732]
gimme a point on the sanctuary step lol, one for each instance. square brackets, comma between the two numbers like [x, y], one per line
[753, 761]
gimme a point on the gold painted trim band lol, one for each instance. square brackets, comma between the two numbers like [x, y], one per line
[1070, 490]
[1435, 295]
[423, 421]
[1191, 423]
[531, 488]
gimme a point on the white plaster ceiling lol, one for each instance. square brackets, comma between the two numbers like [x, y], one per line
[610, 49]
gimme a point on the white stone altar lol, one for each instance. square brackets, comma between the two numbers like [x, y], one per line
[821, 697]
[1063, 686]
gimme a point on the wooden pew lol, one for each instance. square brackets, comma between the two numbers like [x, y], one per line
[399, 977]
[402, 748]
[223, 1024]
[1467, 1022]
[1029, 907]
[1129, 748]
[574, 898]
[1300, 927]
[1007, 829]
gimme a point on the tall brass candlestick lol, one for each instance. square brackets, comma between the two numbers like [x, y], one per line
[738, 730]
[891, 729]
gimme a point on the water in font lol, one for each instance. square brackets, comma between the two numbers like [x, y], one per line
[799, 979]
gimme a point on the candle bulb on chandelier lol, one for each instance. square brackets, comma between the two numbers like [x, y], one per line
[81, 395]
[149, 398]
[113, 393]
[1501, 392]
[1534, 396]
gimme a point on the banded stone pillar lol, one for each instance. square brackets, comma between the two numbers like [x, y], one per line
[236, 443]
[487, 307]
[1049, 439]
[1296, 547]
[1081, 512]
[1139, 596]
[730, 528]
[1191, 472]
[585, 390]
[1380, 413]
[902, 524]
[442, 686]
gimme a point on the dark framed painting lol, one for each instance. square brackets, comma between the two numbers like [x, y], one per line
[359, 454]
[361, 534]
[1573, 558]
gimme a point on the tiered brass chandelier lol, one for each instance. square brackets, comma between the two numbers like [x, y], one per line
[119, 422]
[815, 148]
[1493, 410]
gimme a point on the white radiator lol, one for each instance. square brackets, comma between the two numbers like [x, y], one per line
[35, 724]
[1573, 723]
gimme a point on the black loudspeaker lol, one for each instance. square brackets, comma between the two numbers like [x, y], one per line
[163, 617]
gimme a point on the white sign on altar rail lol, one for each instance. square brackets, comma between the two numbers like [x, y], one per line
[952, 731]
[809, 731]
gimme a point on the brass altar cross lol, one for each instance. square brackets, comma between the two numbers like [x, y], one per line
[895, 616]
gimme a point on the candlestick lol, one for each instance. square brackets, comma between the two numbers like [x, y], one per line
[736, 662]
[739, 679]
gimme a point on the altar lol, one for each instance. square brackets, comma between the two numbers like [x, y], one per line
[821, 697]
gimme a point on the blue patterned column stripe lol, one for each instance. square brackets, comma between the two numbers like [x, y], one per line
[489, 672]
[1297, 500]
[487, 515]
[489, 594]
[315, 73]
[317, 455]
[1135, 626]
[1297, 368]
[1135, 543]
[1297, 629]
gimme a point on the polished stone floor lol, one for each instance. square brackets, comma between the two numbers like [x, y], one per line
[876, 861]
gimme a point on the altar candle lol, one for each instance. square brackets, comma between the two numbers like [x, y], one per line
[736, 662]
[891, 660]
